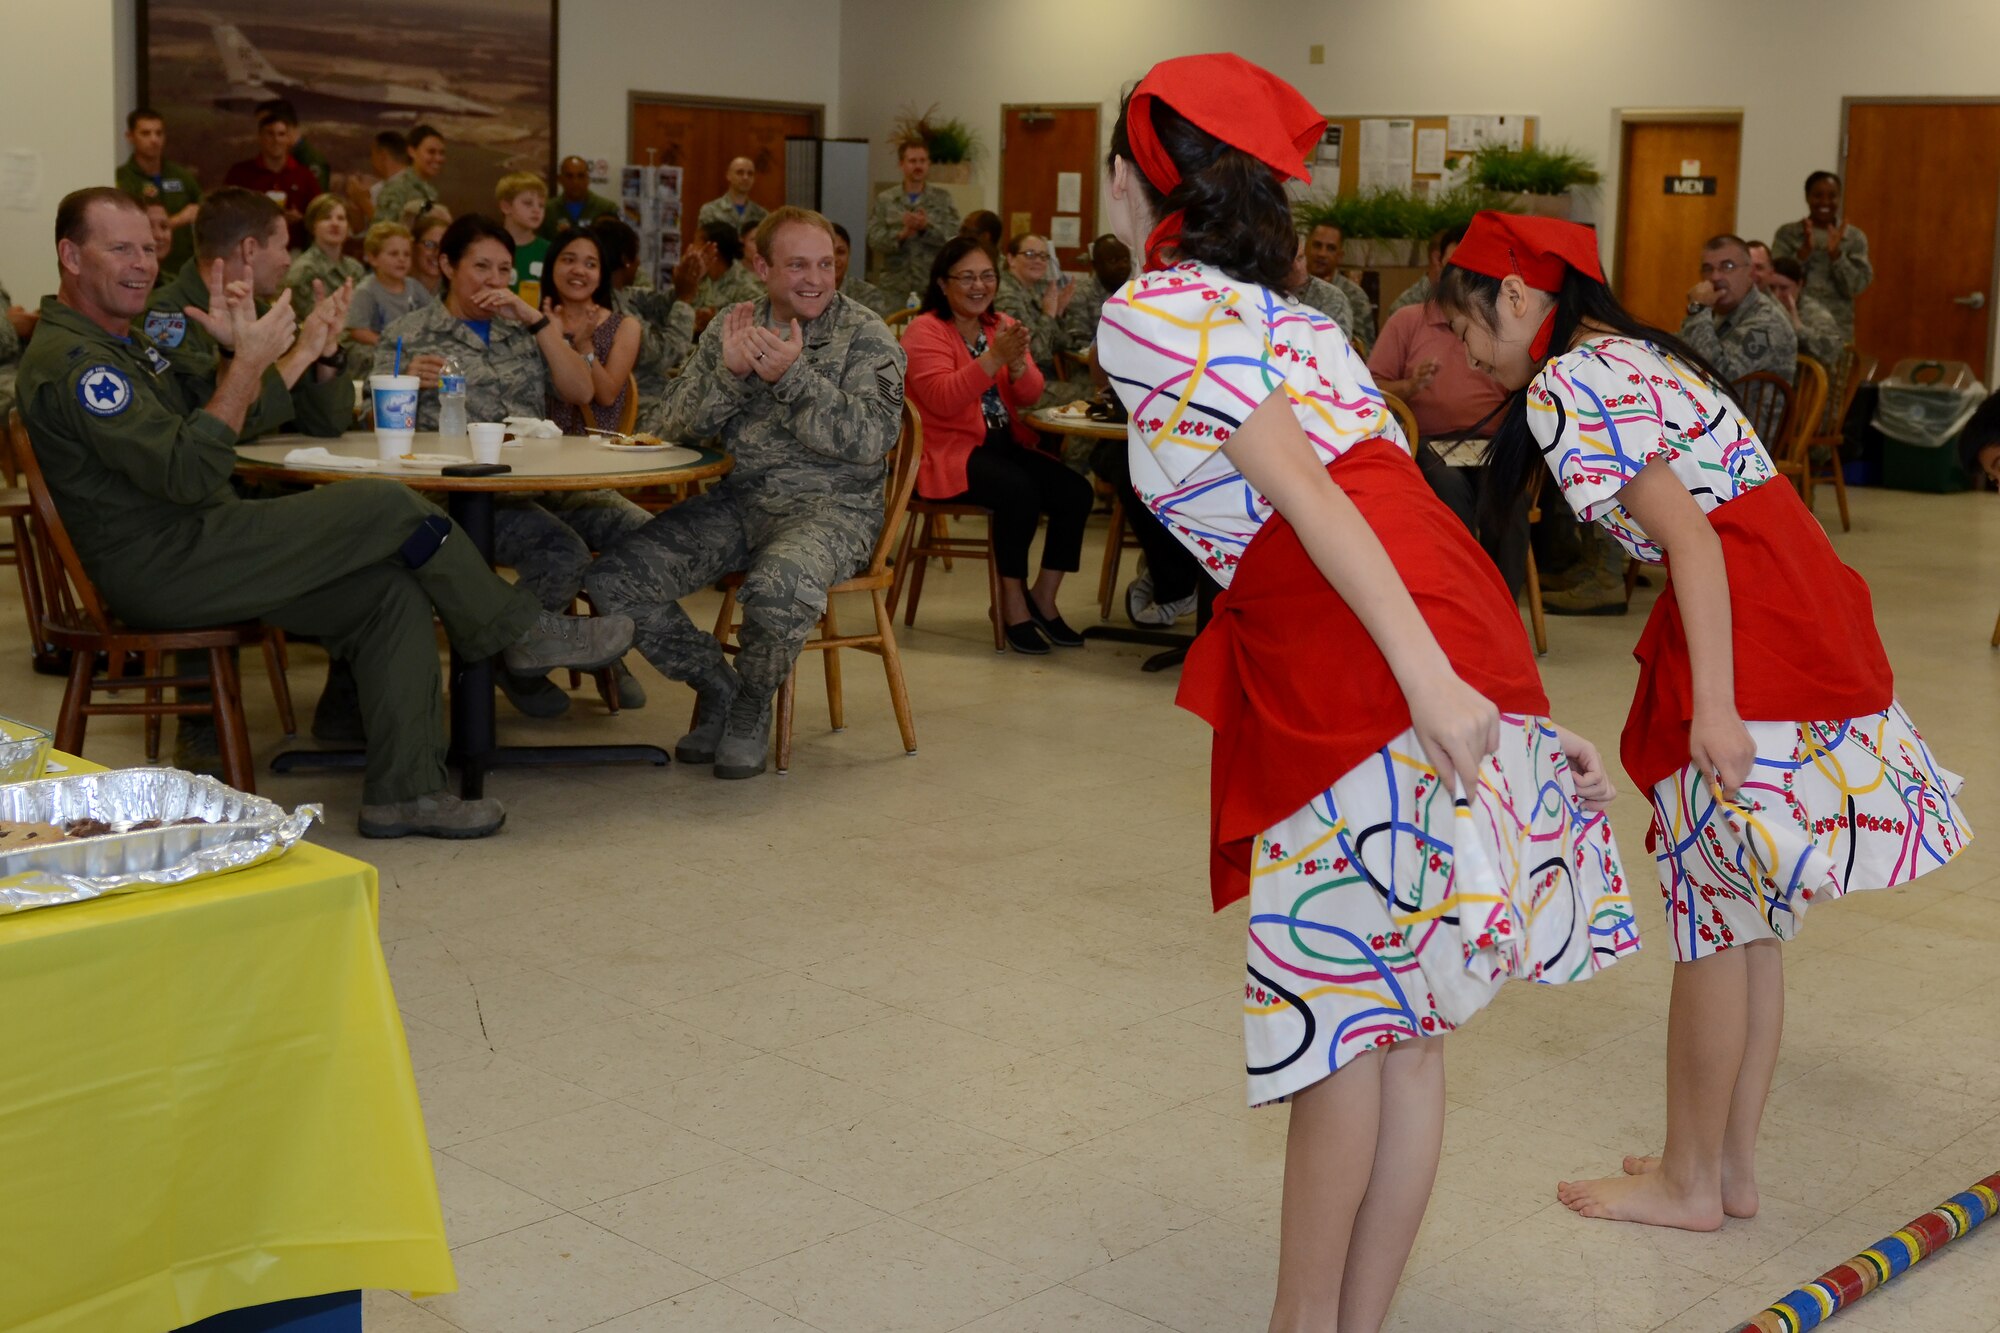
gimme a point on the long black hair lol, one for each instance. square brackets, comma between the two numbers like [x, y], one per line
[605, 264]
[1234, 212]
[1513, 456]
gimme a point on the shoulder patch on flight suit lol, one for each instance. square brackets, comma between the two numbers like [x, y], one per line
[104, 391]
[166, 328]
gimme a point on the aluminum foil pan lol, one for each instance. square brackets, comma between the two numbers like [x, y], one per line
[241, 831]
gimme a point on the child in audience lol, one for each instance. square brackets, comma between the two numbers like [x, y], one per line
[426, 239]
[1766, 731]
[1410, 828]
[390, 292]
[523, 200]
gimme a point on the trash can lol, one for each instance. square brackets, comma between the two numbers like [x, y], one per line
[1919, 410]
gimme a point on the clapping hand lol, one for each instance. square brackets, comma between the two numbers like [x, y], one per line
[321, 330]
[1010, 344]
[772, 353]
[737, 352]
[259, 340]
[1421, 377]
[216, 319]
[688, 270]
[914, 223]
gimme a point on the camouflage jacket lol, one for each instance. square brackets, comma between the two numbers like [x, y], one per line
[1756, 335]
[721, 210]
[1046, 335]
[905, 262]
[504, 378]
[1086, 305]
[665, 339]
[858, 288]
[1329, 300]
[399, 191]
[10, 341]
[1820, 335]
[737, 283]
[317, 408]
[1362, 311]
[822, 430]
[311, 264]
[1832, 280]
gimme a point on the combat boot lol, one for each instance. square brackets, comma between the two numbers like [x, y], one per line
[1600, 592]
[712, 700]
[581, 643]
[745, 748]
[439, 814]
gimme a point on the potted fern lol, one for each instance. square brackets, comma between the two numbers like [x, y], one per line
[1379, 229]
[1532, 179]
[954, 146]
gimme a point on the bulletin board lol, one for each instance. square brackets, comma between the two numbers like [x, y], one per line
[1444, 136]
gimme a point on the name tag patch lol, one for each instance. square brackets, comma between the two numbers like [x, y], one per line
[166, 328]
[104, 391]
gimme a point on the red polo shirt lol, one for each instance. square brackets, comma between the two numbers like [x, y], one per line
[1458, 397]
[295, 179]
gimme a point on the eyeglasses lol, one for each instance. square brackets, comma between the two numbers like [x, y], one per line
[429, 246]
[973, 279]
[1034, 254]
[1726, 266]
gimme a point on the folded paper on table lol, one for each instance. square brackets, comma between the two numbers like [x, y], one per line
[323, 457]
[532, 428]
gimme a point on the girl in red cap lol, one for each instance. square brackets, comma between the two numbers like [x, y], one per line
[1409, 827]
[1782, 771]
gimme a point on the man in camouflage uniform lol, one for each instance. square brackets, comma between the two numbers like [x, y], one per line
[805, 391]
[735, 206]
[546, 536]
[852, 285]
[139, 463]
[908, 226]
[1323, 259]
[726, 279]
[1737, 328]
[414, 188]
[1318, 293]
[1110, 269]
[1419, 291]
[16, 328]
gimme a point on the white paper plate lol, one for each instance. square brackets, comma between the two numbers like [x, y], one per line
[430, 462]
[633, 448]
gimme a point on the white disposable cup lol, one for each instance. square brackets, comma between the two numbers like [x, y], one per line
[395, 401]
[486, 437]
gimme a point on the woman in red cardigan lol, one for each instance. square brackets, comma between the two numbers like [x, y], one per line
[969, 377]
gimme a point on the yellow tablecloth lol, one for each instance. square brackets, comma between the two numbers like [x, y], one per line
[206, 1103]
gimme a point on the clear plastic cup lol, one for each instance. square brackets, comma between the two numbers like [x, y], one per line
[486, 437]
[395, 400]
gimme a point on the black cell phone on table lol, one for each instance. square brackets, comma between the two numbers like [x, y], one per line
[474, 469]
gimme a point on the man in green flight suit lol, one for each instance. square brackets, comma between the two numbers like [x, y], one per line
[139, 464]
[148, 177]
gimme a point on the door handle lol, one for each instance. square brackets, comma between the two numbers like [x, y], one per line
[1975, 300]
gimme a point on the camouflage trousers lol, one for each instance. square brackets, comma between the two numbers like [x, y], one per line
[548, 538]
[788, 561]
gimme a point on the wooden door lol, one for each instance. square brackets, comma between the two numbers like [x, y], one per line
[1661, 227]
[1923, 181]
[702, 138]
[1038, 144]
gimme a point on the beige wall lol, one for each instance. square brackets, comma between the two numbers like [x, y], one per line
[1785, 65]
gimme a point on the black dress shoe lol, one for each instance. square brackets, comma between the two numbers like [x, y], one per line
[1025, 638]
[1060, 634]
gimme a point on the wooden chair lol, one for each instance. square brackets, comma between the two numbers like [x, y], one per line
[1794, 462]
[924, 537]
[628, 416]
[16, 507]
[1823, 449]
[1536, 619]
[1766, 400]
[77, 620]
[1118, 539]
[897, 319]
[1405, 417]
[876, 580]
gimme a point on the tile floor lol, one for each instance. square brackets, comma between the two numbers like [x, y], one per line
[906, 1045]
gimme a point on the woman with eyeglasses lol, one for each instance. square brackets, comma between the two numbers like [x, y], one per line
[1027, 293]
[426, 238]
[970, 376]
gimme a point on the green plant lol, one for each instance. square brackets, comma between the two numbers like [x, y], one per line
[1392, 214]
[1455, 208]
[1530, 170]
[947, 139]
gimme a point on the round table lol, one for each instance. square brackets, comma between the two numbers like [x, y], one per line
[1062, 421]
[570, 463]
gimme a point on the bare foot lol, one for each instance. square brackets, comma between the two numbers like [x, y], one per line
[1739, 1186]
[1641, 1198]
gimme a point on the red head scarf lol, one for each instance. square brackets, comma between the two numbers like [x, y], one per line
[1248, 108]
[1538, 250]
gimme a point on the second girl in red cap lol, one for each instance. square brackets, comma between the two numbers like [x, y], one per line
[1387, 790]
[1766, 731]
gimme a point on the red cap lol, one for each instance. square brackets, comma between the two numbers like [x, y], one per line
[1500, 245]
[1248, 108]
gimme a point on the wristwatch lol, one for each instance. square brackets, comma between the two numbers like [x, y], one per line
[590, 358]
[539, 325]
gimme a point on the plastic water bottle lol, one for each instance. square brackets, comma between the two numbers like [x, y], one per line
[451, 400]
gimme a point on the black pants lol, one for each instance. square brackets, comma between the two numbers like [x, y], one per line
[1459, 488]
[1020, 486]
[1174, 571]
